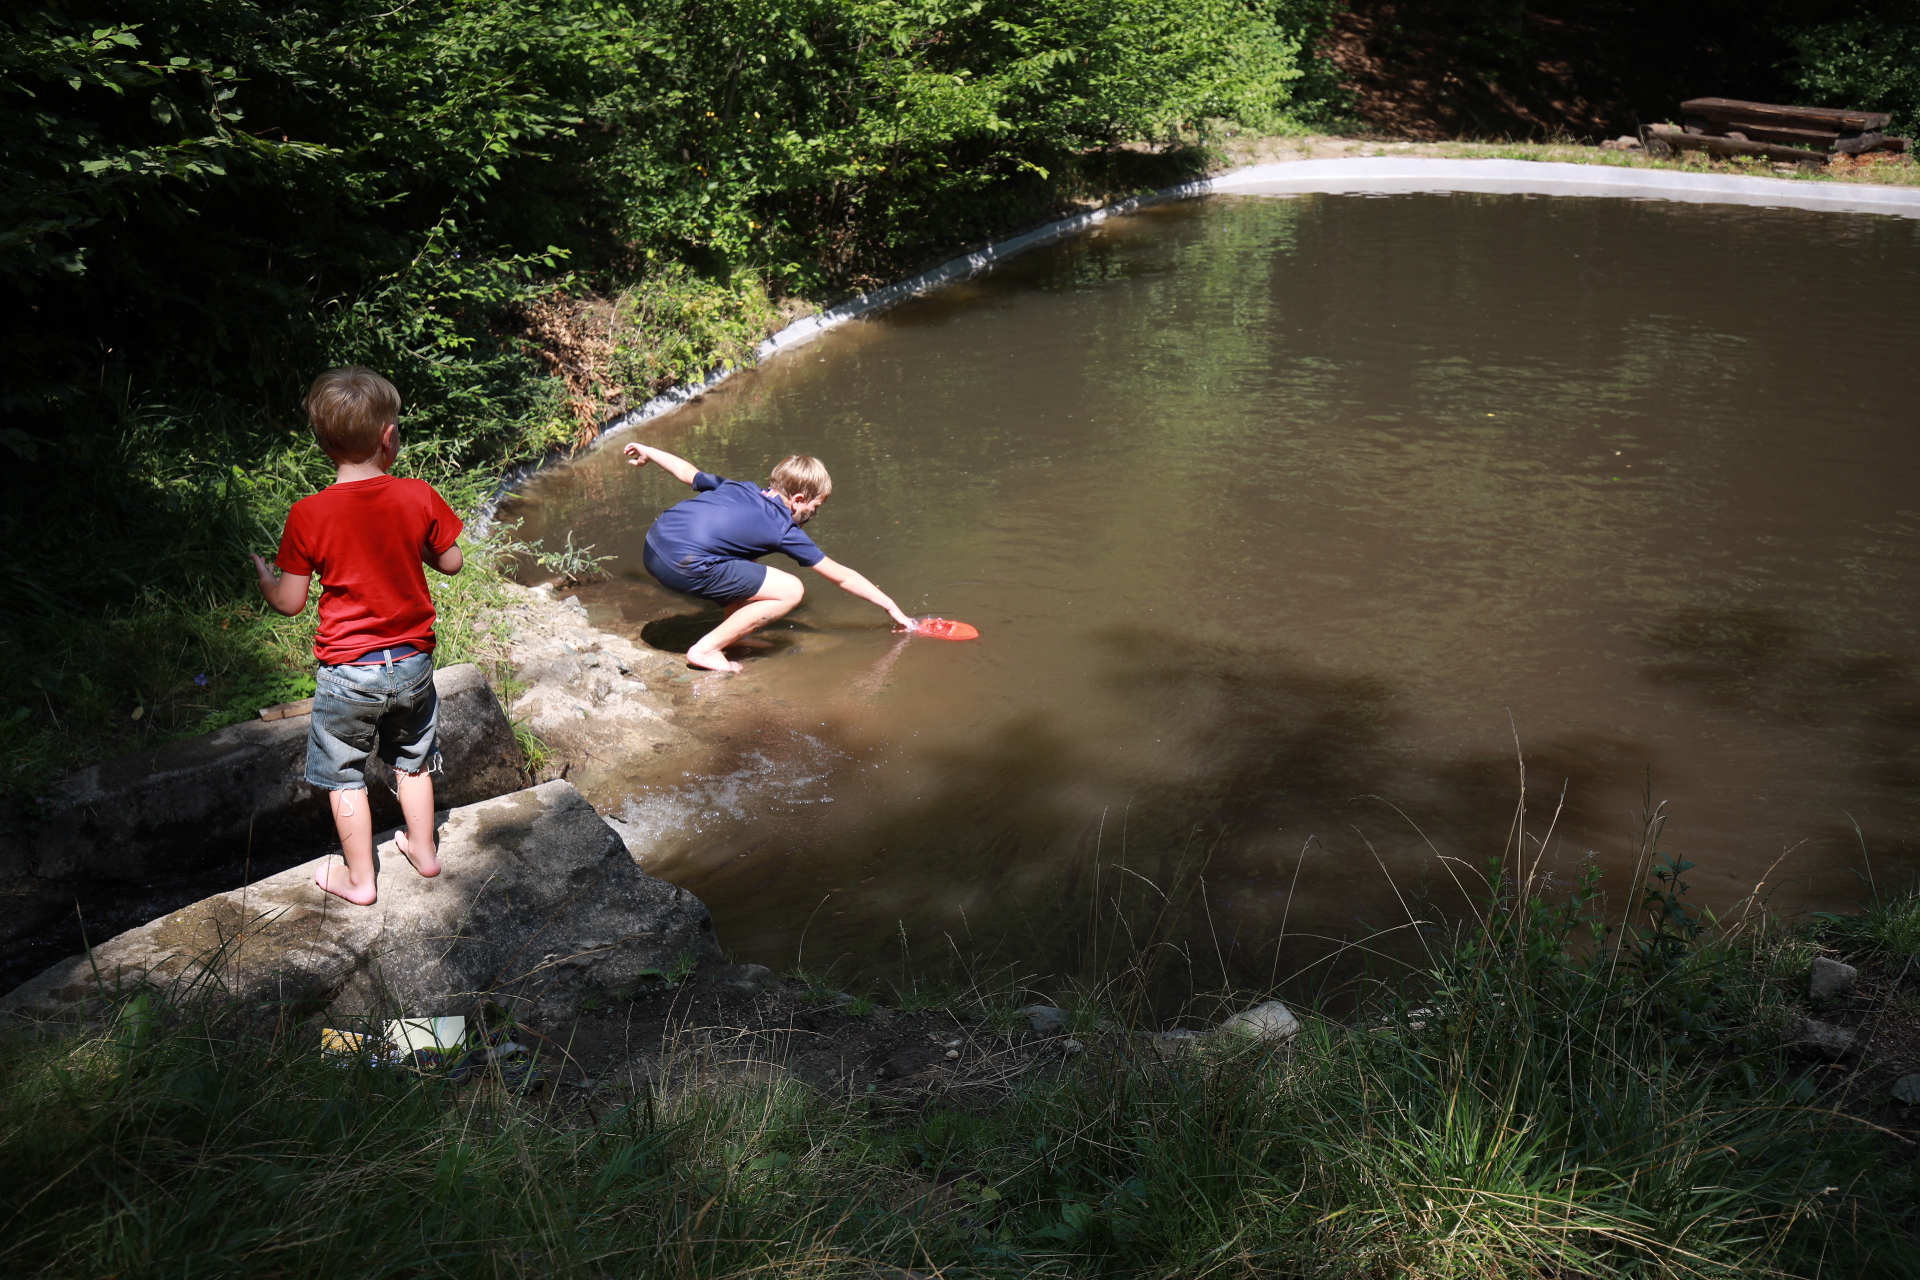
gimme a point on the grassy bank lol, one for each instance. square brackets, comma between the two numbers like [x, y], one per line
[1544, 1098]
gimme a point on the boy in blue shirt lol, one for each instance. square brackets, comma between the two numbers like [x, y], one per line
[707, 547]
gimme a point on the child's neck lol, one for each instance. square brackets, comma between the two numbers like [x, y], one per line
[347, 472]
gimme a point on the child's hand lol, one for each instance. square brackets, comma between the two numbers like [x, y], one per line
[260, 566]
[636, 456]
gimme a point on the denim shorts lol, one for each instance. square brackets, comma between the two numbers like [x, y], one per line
[392, 705]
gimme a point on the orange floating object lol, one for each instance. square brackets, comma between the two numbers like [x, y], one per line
[945, 629]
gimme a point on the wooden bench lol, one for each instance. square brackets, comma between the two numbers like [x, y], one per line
[1801, 135]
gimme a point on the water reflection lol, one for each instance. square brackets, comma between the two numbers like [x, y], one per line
[1283, 519]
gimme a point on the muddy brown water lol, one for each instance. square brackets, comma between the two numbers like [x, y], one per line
[1281, 519]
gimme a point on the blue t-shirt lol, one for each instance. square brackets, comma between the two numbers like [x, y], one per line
[728, 519]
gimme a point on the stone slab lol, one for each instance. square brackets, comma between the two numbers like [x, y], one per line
[539, 908]
[201, 801]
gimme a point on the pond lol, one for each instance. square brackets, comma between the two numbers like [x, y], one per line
[1285, 522]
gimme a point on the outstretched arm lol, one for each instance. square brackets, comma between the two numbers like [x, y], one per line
[855, 583]
[285, 592]
[638, 455]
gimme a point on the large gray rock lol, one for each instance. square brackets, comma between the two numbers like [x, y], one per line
[206, 801]
[1830, 978]
[1825, 1039]
[539, 907]
[1046, 1019]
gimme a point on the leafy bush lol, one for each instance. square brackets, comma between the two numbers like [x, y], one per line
[675, 327]
[1869, 60]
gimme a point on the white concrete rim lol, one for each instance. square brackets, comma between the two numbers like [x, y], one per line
[1404, 174]
[1371, 175]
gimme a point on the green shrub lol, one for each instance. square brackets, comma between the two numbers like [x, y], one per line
[1868, 60]
[675, 327]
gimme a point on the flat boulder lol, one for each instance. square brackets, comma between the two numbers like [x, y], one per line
[538, 908]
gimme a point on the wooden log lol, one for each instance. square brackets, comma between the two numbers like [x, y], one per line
[1755, 131]
[1839, 120]
[1681, 140]
[1871, 142]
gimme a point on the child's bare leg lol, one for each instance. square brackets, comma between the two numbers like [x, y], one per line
[353, 820]
[747, 641]
[416, 842]
[777, 596]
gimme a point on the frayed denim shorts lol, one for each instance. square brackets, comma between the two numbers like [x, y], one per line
[391, 705]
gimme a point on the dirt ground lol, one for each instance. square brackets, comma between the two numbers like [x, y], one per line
[1567, 69]
[743, 1023]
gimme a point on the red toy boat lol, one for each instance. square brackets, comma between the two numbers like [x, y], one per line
[945, 629]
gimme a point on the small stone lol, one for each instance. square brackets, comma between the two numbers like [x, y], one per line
[1824, 1038]
[1071, 1047]
[1907, 1089]
[745, 977]
[955, 1053]
[1179, 1036]
[1045, 1019]
[1830, 978]
[1269, 1023]
[954, 1044]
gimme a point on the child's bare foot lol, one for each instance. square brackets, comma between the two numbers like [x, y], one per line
[334, 879]
[427, 864]
[712, 661]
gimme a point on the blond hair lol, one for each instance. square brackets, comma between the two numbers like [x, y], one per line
[801, 476]
[350, 408]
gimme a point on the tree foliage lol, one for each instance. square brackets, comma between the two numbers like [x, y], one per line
[189, 185]
[1865, 56]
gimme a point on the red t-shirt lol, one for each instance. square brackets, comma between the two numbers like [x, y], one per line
[364, 540]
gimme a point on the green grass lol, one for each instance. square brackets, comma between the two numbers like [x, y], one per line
[1886, 928]
[1567, 1111]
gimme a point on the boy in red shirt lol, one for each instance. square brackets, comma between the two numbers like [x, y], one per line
[366, 536]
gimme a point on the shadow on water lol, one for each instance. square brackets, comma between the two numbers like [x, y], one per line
[677, 634]
[1765, 663]
[1291, 821]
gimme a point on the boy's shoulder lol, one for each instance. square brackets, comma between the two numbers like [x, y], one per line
[382, 489]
